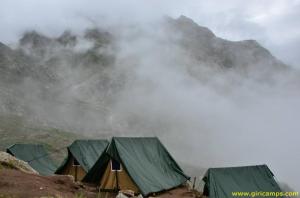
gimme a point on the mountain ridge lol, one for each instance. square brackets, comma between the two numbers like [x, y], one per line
[78, 74]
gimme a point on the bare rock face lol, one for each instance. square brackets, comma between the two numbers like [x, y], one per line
[14, 65]
[203, 46]
[67, 39]
[9, 162]
[35, 39]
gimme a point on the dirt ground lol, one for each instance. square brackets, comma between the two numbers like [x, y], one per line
[181, 192]
[17, 184]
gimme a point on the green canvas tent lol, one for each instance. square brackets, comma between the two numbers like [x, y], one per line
[222, 182]
[82, 155]
[140, 164]
[36, 155]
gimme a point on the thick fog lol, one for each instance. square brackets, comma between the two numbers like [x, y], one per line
[150, 75]
[210, 116]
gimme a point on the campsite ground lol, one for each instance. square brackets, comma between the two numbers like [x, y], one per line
[17, 184]
[13, 129]
[182, 192]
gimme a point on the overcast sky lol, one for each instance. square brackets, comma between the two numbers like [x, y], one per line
[274, 23]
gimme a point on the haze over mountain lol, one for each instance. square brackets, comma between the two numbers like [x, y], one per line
[224, 102]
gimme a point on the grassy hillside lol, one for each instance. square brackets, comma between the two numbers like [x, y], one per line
[14, 129]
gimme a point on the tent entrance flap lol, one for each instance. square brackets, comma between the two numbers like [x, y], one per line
[72, 169]
[116, 180]
[82, 155]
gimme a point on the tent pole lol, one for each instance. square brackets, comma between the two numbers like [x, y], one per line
[117, 179]
[75, 173]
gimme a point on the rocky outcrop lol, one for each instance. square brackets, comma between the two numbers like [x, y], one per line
[7, 161]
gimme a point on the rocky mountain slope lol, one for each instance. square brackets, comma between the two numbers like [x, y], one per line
[207, 48]
[80, 74]
[72, 82]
